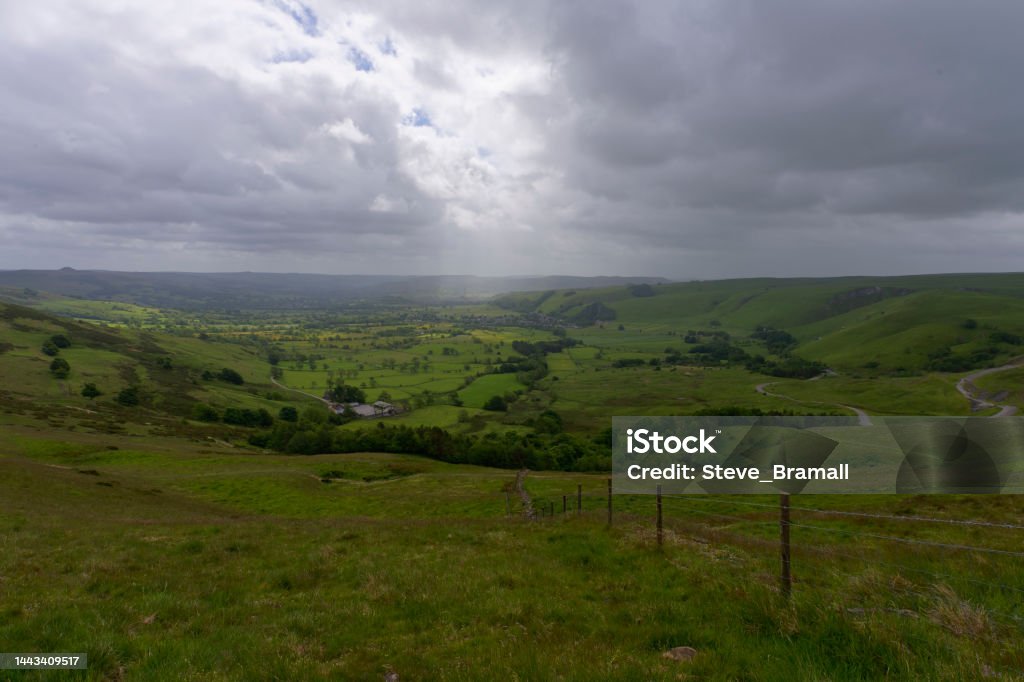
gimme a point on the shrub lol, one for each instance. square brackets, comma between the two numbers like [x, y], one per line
[128, 396]
[90, 391]
[231, 376]
[50, 348]
[496, 404]
[205, 413]
[247, 417]
[60, 368]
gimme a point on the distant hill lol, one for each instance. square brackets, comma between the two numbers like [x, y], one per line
[946, 322]
[254, 290]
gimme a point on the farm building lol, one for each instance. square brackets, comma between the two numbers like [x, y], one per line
[377, 409]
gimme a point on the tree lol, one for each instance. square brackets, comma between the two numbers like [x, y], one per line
[205, 413]
[343, 393]
[231, 376]
[549, 421]
[496, 404]
[60, 341]
[60, 368]
[288, 414]
[128, 396]
[243, 416]
[90, 391]
[50, 348]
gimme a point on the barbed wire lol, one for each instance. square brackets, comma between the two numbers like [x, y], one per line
[870, 515]
[831, 549]
[911, 541]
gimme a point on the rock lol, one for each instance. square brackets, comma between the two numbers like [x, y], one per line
[391, 676]
[680, 653]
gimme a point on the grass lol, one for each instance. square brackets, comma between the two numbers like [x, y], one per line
[931, 394]
[1010, 383]
[172, 563]
[485, 387]
[169, 549]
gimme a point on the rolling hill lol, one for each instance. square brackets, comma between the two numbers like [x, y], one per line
[895, 324]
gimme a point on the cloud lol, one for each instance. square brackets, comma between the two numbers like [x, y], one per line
[688, 139]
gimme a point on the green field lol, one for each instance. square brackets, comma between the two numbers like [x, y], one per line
[167, 563]
[170, 540]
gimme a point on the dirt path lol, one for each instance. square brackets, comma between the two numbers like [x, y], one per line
[968, 390]
[295, 390]
[528, 510]
[862, 417]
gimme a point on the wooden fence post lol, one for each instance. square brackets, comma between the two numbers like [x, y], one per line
[579, 499]
[609, 503]
[787, 576]
[660, 534]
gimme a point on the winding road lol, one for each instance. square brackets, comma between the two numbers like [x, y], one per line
[968, 390]
[965, 386]
[862, 417]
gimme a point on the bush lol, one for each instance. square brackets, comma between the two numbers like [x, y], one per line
[90, 391]
[60, 368]
[128, 396]
[230, 376]
[1005, 337]
[496, 404]
[247, 417]
[288, 414]
[343, 393]
[549, 421]
[205, 413]
[60, 341]
[50, 348]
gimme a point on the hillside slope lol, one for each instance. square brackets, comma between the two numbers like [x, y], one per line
[167, 376]
[895, 324]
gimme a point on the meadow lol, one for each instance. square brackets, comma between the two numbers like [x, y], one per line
[169, 540]
[163, 562]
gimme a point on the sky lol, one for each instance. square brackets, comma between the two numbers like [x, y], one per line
[703, 139]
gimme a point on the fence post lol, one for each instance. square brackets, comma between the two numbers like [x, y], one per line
[609, 503]
[579, 499]
[552, 510]
[787, 577]
[660, 538]
[565, 503]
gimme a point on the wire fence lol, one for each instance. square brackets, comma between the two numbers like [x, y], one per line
[902, 544]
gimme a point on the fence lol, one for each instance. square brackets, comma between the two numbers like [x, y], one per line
[804, 534]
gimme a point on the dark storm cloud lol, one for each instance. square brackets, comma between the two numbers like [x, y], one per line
[904, 108]
[686, 139]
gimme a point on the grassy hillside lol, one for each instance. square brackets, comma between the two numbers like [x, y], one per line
[165, 561]
[169, 374]
[892, 324]
[168, 547]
